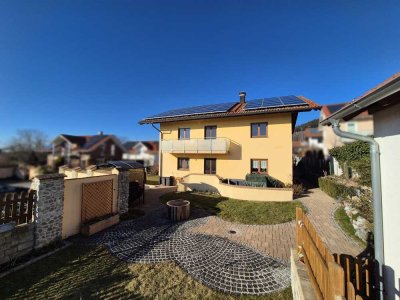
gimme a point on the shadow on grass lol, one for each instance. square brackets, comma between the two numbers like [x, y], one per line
[78, 272]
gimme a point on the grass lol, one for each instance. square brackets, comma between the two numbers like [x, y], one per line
[240, 211]
[84, 272]
[344, 222]
[153, 179]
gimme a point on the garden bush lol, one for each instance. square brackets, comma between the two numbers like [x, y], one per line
[336, 189]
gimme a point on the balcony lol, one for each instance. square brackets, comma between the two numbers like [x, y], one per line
[207, 146]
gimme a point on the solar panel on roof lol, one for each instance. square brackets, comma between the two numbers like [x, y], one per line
[128, 164]
[203, 109]
[274, 102]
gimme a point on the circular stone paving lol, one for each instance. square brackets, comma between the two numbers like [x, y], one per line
[215, 261]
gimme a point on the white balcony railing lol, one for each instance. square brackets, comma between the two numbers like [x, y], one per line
[216, 146]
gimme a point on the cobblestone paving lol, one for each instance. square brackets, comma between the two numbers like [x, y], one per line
[216, 261]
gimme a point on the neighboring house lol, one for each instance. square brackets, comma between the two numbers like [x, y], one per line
[229, 140]
[383, 102]
[82, 151]
[145, 152]
[305, 140]
[361, 124]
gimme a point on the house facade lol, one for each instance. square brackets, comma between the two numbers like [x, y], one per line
[145, 152]
[361, 124]
[383, 102]
[239, 138]
[82, 151]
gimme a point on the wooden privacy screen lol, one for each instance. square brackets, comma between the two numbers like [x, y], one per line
[17, 207]
[332, 276]
[97, 200]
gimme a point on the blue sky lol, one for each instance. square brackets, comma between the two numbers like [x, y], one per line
[78, 67]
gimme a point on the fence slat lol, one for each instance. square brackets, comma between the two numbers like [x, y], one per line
[333, 276]
[13, 207]
[351, 293]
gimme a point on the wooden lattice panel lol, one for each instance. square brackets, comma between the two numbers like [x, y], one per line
[97, 199]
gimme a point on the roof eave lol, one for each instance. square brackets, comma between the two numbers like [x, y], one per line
[361, 104]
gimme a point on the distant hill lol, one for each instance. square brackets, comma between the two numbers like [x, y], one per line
[312, 124]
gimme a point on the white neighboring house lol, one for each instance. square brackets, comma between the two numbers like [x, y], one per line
[145, 152]
[383, 102]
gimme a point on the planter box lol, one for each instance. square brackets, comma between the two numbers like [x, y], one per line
[90, 229]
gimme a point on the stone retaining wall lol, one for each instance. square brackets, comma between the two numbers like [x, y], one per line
[16, 242]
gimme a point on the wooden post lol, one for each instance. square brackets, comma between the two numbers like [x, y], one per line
[336, 279]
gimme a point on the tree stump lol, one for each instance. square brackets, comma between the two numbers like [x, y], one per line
[178, 210]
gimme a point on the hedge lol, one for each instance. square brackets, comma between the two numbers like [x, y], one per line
[335, 189]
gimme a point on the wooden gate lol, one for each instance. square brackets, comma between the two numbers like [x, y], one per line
[97, 200]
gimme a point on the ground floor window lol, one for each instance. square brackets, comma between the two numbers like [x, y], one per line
[183, 163]
[210, 166]
[259, 166]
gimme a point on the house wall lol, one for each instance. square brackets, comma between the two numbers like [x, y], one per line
[71, 224]
[277, 147]
[364, 126]
[97, 153]
[387, 134]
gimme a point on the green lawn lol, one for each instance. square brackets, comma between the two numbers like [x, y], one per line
[344, 222]
[83, 272]
[152, 179]
[240, 211]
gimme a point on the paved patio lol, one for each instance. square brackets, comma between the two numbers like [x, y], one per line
[233, 258]
[215, 261]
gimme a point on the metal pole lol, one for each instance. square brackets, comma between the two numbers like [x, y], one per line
[376, 197]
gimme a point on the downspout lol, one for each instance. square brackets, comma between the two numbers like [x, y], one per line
[160, 152]
[376, 198]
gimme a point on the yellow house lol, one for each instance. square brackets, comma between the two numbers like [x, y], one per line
[201, 146]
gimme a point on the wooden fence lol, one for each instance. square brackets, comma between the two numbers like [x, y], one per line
[17, 207]
[332, 276]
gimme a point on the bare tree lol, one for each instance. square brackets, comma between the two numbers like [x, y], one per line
[27, 145]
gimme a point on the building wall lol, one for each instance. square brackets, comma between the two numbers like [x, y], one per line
[387, 134]
[97, 153]
[71, 224]
[331, 140]
[277, 147]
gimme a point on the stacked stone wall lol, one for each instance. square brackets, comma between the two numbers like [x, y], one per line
[16, 242]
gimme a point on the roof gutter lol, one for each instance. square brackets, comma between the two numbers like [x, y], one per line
[376, 198]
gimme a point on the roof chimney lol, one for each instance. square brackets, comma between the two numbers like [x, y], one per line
[242, 96]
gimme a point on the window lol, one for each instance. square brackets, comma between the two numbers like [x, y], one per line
[210, 166]
[259, 129]
[183, 163]
[351, 127]
[210, 132]
[112, 150]
[184, 133]
[259, 166]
